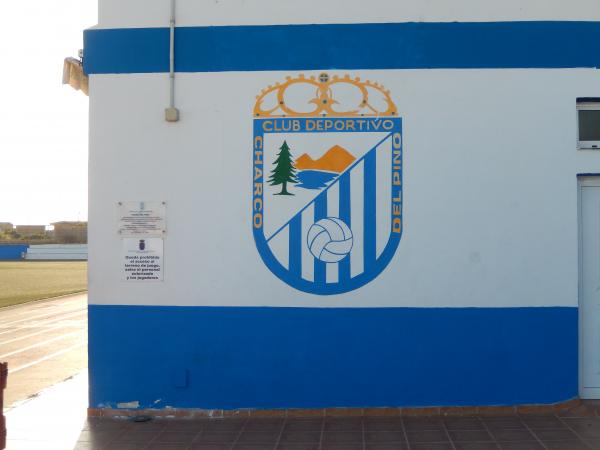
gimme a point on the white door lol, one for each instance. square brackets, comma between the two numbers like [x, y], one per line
[590, 286]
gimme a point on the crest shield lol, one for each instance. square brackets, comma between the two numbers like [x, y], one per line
[327, 182]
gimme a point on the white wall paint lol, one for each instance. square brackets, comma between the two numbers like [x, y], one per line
[119, 13]
[490, 190]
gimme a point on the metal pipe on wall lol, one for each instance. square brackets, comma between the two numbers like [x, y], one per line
[172, 113]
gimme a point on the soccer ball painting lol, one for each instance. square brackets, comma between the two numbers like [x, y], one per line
[329, 240]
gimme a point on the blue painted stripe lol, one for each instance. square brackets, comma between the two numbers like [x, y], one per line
[126, 50]
[320, 271]
[369, 209]
[313, 358]
[295, 246]
[346, 46]
[345, 210]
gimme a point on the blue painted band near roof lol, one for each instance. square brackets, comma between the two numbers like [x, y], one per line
[243, 357]
[346, 46]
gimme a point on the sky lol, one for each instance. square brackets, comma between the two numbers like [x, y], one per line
[43, 124]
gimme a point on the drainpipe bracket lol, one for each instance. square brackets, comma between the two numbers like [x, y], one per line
[172, 115]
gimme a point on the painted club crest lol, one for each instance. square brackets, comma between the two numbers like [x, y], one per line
[327, 181]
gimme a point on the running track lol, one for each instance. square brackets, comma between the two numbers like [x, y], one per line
[43, 342]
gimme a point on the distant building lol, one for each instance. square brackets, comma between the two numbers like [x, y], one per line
[6, 226]
[70, 232]
[30, 230]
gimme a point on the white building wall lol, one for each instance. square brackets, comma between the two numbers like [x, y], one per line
[478, 305]
[155, 13]
[490, 211]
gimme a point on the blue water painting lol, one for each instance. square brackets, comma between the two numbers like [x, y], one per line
[315, 179]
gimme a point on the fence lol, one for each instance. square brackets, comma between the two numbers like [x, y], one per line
[51, 252]
[12, 252]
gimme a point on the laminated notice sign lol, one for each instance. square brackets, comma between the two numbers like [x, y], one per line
[142, 218]
[142, 259]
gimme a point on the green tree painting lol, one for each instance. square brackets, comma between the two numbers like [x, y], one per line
[284, 171]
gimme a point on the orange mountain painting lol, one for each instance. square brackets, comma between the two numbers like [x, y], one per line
[336, 159]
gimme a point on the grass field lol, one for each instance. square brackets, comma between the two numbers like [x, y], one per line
[23, 281]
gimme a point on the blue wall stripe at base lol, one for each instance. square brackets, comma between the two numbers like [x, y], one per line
[261, 357]
[422, 45]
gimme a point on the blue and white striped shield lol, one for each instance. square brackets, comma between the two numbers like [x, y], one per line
[327, 199]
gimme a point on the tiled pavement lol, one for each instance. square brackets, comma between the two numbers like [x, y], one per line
[350, 433]
[56, 420]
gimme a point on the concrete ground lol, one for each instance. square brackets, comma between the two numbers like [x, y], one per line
[346, 433]
[44, 342]
[50, 421]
